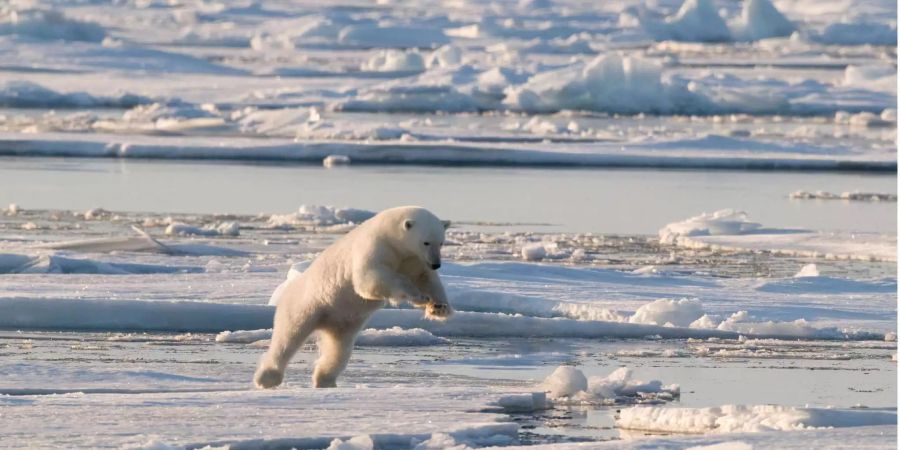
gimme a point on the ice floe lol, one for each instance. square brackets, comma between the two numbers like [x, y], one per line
[317, 215]
[370, 337]
[55, 264]
[747, 418]
[569, 385]
[26, 94]
[731, 230]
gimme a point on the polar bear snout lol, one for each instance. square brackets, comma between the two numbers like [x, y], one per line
[435, 266]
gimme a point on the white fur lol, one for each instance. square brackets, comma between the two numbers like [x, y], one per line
[385, 259]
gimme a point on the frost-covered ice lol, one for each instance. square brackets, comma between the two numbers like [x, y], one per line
[732, 230]
[849, 196]
[569, 385]
[222, 229]
[237, 80]
[139, 329]
[390, 337]
[743, 419]
[316, 215]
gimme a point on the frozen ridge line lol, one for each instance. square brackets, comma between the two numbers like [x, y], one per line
[203, 317]
[711, 152]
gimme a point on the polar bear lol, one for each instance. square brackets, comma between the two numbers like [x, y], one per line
[392, 257]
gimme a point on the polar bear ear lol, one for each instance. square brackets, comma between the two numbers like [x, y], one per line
[446, 224]
[407, 224]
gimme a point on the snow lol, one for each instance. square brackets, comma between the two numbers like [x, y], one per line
[709, 152]
[880, 77]
[320, 417]
[568, 384]
[672, 313]
[336, 160]
[565, 381]
[26, 94]
[55, 264]
[761, 20]
[222, 229]
[722, 222]
[710, 303]
[398, 337]
[809, 270]
[534, 252]
[317, 215]
[395, 61]
[848, 196]
[391, 337]
[47, 24]
[730, 230]
[748, 418]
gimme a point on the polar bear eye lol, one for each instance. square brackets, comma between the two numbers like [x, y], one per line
[427, 244]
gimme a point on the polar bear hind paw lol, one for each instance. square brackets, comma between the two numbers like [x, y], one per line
[268, 378]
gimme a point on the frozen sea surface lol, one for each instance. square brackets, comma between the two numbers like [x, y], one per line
[123, 326]
[700, 84]
[136, 279]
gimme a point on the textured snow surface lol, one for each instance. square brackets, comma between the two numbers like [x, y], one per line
[732, 230]
[316, 417]
[698, 83]
[742, 419]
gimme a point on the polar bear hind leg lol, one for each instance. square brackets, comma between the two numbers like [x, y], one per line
[335, 346]
[286, 339]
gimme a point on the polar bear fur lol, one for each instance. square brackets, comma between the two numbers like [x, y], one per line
[392, 257]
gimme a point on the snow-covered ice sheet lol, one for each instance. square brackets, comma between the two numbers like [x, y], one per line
[755, 83]
[873, 437]
[315, 418]
[742, 419]
[731, 230]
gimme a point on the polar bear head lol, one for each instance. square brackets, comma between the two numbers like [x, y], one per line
[421, 233]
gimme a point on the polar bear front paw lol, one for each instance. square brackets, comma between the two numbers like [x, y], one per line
[438, 311]
[419, 300]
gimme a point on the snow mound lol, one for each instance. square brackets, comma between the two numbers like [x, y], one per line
[335, 161]
[25, 94]
[568, 384]
[610, 83]
[176, 117]
[878, 77]
[701, 21]
[53, 264]
[669, 313]
[850, 196]
[695, 21]
[316, 215]
[747, 419]
[398, 337]
[565, 381]
[729, 230]
[809, 270]
[858, 33]
[243, 336]
[722, 222]
[760, 20]
[394, 61]
[371, 35]
[288, 122]
[44, 24]
[222, 229]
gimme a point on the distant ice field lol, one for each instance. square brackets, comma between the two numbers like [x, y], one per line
[700, 83]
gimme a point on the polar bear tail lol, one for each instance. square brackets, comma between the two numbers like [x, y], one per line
[268, 377]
